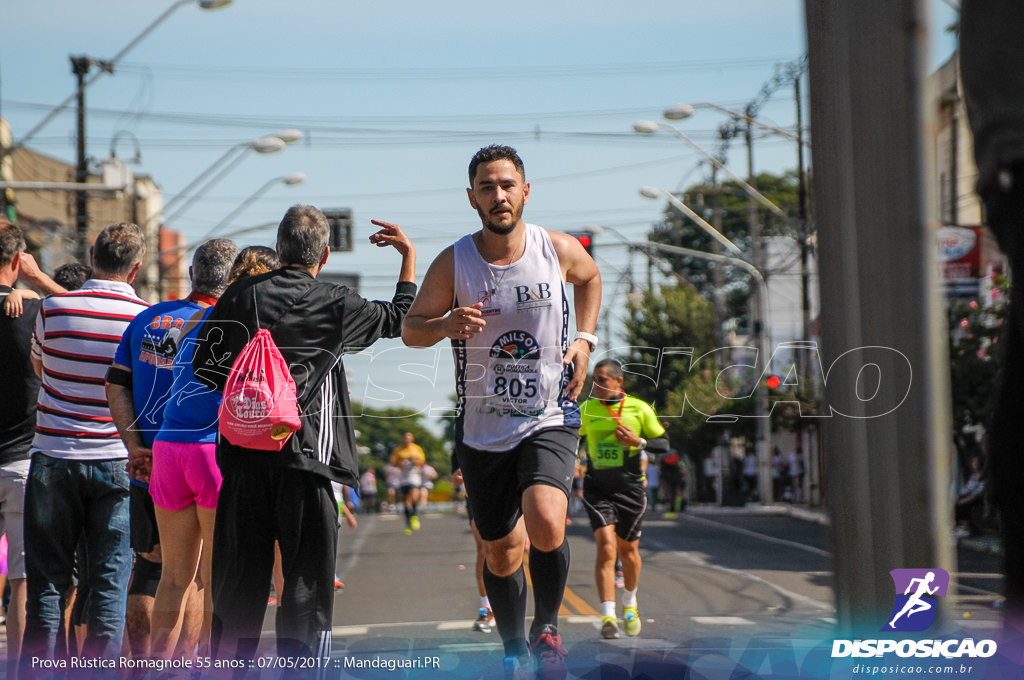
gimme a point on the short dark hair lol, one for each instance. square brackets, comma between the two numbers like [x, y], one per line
[211, 266]
[12, 242]
[72, 276]
[302, 236]
[254, 260]
[118, 248]
[495, 152]
[612, 366]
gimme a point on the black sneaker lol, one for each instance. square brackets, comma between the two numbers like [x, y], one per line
[549, 654]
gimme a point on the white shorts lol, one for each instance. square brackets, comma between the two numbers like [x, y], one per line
[12, 514]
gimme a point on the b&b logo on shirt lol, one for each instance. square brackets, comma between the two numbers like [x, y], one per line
[530, 298]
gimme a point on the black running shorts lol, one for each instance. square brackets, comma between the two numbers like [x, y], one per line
[495, 480]
[625, 509]
[144, 534]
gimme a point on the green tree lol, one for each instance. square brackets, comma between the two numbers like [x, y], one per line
[670, 335]
[381, 430]
[677, 229]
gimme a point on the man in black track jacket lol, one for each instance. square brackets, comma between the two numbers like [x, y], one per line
[286, 496]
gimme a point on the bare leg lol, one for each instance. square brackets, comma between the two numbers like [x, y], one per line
[181, 540]
[604, 567]
[15, 624]
[629, 552]
[139, 612]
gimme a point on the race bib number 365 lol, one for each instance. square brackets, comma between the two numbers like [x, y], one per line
[609, 454]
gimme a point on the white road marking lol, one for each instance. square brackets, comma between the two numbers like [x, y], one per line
[762, 537]
[471, 646]
[438, 625]
[722, 621]
[346, 631]
[697, 559]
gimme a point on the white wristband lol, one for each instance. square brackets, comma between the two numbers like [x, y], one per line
[589, 337]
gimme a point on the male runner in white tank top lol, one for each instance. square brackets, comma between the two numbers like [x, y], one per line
[499, 296]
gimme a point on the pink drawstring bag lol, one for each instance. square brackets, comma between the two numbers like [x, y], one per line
[259, 409]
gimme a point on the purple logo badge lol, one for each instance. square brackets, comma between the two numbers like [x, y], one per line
[917, 591]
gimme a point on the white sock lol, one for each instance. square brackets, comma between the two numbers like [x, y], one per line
[629, 597]
[485, 603]
[608, 608]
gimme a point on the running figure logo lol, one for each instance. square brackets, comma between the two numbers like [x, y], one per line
[915, 608]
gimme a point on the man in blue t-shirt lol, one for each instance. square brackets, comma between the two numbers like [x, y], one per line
[138, 387]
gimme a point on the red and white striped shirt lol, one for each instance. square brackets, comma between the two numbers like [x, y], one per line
[75, 337]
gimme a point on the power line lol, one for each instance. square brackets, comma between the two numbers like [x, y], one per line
[193, 72]
[353, 124]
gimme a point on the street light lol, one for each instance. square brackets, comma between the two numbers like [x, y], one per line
[736, 259]
[649, 127]
[655, 193]
[231, 234]
[684, 111]
[760, 327]
[262, 145]
[647, 246]
[290, 179]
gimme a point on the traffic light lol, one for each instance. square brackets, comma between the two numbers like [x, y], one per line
[586, 240]
[340, 222]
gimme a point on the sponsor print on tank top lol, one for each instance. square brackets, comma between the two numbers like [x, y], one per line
[513, 376]
[509, 377]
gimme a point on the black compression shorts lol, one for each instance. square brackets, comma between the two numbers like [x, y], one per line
[495, 480]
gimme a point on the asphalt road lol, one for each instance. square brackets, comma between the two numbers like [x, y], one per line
[720, 591]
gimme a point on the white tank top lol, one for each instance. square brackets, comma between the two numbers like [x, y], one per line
[510, 379]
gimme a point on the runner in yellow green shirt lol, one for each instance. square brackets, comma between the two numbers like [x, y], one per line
[617, 427]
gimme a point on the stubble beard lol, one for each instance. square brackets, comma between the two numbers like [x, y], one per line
[500, 229]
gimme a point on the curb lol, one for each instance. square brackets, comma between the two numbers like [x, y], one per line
[816, 515]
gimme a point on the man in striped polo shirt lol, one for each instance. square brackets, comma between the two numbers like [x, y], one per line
[78, 485]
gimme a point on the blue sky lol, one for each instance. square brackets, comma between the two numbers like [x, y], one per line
[394, 97]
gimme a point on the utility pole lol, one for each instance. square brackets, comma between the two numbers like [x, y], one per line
[889, 457]
[803, 229]
[717, 273]
[758, 332]
[80, 67]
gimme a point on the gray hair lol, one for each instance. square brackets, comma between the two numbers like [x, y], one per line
[211, 266]
[118, 248]
[302, 236]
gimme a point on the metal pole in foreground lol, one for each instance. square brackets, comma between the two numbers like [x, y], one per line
[80, 67]
[888, 456]
[759, 331]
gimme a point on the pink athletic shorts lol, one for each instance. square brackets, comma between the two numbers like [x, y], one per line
[184, 474]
